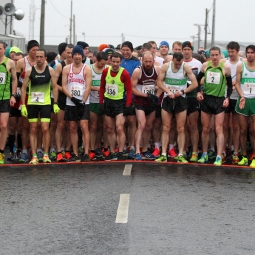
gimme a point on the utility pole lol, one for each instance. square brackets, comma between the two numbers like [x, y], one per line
[213, 24]
[123, 37]
[70, 37]
[74, 41]
[42, 23]
[206, 25]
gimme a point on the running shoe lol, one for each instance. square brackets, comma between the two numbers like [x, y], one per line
[121, 156]
[252, 163]
[211, 154]
[11, 157]
[235, 159]
[148, 156]
[34, 160]
[75, 158]
[181, 159]
[105, 153]
[194, 157]
[223, 158]
[162, 158]
[92, 155]
[53, 155]
[46, 159]
[138, 156]
[40, 156]
[252, 156]
[156, 152]
[2, 158]
[60, 157]
[23, 158]
[98, 152]
[111, 156]
[131, 154]
[204, 158]
[67, 155]
[243, 162]
[218, 161]
[85, 157]
[172, 153]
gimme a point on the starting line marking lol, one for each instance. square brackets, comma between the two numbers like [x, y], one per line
[122, 212]
[127, 169]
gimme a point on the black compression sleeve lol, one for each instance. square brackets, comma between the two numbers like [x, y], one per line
[199, 78]
[229, 84]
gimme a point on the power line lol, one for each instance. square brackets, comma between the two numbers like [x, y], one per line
[58, 10]
[155, 37]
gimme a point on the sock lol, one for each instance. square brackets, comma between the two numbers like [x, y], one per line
[24, 151]
[219, 156]
[163, 154]
[156, 145]
[52, 149]
[171, 146]
[132, 147]
[38, 150]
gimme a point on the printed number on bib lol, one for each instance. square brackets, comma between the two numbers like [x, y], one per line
[2, 78]
[95, 94]
[173, 89]
[112, 90]
[37, 97]
[213, 78]
[249, 88]
[76, 92]
[149, 89]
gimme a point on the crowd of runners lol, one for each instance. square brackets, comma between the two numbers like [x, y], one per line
[145, 103]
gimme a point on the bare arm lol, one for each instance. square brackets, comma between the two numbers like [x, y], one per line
[238, 80]
[134, 82]
[12, 70]
[24, 86]
[54, 84]
[88, 78]
[65, 73]
[58, 71]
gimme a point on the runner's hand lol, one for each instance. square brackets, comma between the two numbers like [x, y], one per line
[242, 103]
[24, 110]
[56, 109]
[77, 101]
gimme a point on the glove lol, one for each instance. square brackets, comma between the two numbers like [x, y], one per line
[23, 110]
[128, 110]
[153, 98]
[77, 101]
[102, 109]
[56, 109]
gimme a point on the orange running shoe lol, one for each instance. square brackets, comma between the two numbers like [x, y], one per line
[92, 155]
[172, 153]
[67, 155]
[60, 157]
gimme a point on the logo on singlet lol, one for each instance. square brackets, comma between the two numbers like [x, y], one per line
[113, 81]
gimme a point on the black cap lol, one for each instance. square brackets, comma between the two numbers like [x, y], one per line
[118, 47]
[109, 51]
[127, 44]
[187, 44]
[139, 47]
[82, 44]
[32, 44]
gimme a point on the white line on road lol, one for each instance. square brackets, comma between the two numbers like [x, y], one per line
[127, 169]
[122, 212]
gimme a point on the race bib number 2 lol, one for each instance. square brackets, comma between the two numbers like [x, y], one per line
[37, 97]
[213, 78]
[2, 78]
[112, 90]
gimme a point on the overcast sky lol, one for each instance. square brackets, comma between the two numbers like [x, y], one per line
[103, 21]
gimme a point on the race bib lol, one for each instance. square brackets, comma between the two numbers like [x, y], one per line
[95, 93]
[37, 97]
[213, 78]
[76, 91]
[149, 89]
[18, 92]
[248, 88]
[2, 78]
[172, 88]
[112, 90]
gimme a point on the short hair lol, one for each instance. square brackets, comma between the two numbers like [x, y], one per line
[116, 55]
[252, 47]
[95, 53]
[19, 54]
[215, 48]
[147, 53]
[178, 43]
[70, 46]
[147, 46]
[178, 56]
[3, 43]
[152, 42]
[51, 56]
[199, 57]
[101, 55]
[233, 45]
[45, 54]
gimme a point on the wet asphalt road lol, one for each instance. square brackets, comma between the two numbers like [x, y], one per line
[176, 209]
